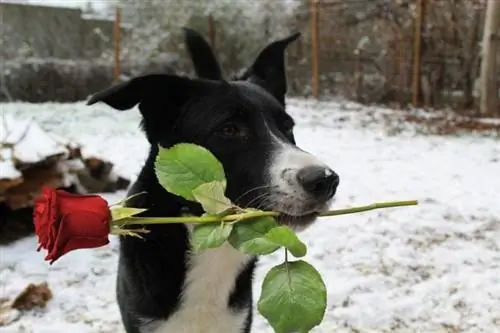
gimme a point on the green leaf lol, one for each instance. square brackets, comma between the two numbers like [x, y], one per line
[249, 236]
[293, 297]
[210, 235]
[119, 212]
[185, 166]
[211, 197]
[264, 236]
[286, 237]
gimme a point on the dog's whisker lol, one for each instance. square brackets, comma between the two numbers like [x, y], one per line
[256, 199]
[266, 204]
[254, 189]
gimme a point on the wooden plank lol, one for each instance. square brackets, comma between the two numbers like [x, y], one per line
[117, 42]
[417, 52]
[315, 47]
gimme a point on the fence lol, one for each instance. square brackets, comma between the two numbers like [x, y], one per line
[59, 54]
[420, 52]
[426, 53]
[43, 32]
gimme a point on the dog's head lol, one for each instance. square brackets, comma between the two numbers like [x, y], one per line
[245, 126]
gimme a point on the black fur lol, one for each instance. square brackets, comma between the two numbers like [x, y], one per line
[236, 122]
[204, 61]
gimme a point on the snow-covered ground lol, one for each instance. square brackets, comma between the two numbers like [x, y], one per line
[430, 268]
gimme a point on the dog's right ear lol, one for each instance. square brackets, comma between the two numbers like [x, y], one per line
[122, 96]
[160, 98]
[204, 61]
[268, 69]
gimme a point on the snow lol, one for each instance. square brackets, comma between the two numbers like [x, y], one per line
[430, 268]
[7, 168]
[30, 142]
[96, 4]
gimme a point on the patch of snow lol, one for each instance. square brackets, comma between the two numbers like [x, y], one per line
[97, 4]
[8, 316]
[7, 168]
[430, 268]
[69, 170]
[30, 143]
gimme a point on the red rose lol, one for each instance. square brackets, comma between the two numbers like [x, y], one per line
[65, 222]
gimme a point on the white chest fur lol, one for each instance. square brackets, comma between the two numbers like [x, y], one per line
[204, 307]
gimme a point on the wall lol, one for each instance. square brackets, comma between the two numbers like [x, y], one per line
[39, 31]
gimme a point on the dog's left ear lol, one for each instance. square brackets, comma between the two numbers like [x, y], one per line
[204, 61]
[268, 69]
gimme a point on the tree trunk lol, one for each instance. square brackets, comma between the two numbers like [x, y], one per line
[488, 102]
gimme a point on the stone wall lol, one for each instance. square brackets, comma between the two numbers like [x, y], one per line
[51, 32]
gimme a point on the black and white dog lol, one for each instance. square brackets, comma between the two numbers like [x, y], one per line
[161, 286]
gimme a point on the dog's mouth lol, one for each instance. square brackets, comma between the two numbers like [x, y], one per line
[301, 220]
[295, 212]
[297, 221]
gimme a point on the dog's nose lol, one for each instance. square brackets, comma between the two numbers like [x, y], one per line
[319, 181]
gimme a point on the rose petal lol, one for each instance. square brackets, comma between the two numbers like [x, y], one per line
[66, 222]
[55, 217]
[44, 216]
[79, 225]
[73, 202]
[85, 224]
[76, 244]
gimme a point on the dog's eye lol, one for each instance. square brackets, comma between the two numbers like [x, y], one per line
[289, 129]
[232, 130]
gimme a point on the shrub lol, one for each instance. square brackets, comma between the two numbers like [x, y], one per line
[57, 80]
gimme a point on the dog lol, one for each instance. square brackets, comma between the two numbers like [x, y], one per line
[162, 287]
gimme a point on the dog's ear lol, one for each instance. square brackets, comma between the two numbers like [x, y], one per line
[160, 98]
[268, 69]
[155, 88]
[204, 61]
[122, 96]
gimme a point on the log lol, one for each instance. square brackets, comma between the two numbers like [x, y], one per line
[31, 158]
[9, 175]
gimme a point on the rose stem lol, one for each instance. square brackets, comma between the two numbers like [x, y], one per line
[249, 215]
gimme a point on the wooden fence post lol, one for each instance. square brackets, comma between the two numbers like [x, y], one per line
[117, 42]
[417, 52]
[495, 83]
[315, 47]
[211, 31]
[488, 78]
[358, 73]
[402, 69]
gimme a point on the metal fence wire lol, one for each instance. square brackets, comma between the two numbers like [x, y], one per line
[424, 52]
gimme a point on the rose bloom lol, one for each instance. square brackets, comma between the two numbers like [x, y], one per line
[65, 222]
